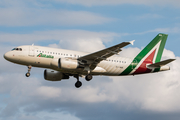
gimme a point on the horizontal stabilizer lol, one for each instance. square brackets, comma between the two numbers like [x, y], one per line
[159, 64]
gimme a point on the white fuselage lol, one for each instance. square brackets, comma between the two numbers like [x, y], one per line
[65, 63]
[38, 56]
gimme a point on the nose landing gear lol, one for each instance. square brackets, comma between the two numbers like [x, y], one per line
[28, 73]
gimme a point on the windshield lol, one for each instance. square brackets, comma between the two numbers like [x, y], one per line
[17, 49]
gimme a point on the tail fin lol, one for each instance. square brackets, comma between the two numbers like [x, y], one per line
[154, 49]
[152, 53]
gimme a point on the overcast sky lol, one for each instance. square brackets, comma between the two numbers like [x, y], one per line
[89, 25]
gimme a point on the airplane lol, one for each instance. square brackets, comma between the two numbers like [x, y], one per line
[60, 64]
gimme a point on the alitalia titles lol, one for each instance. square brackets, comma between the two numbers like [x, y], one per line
[44, 55]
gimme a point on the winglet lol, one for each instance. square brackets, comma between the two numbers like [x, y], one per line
[132, 42]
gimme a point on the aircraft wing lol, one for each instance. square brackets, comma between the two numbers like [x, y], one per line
[162, 63]
[96, 57]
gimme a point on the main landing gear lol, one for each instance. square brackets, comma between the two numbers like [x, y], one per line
[28, 73]
[88, 77]
[78, 84]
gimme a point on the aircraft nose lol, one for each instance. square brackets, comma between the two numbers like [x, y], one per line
[7, 56]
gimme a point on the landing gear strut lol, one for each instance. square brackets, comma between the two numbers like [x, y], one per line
[28, 73]
[78, 84]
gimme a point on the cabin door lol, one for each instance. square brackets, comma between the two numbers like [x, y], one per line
[31, 51]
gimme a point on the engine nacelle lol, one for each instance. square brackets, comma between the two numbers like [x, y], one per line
[65, 63]
[54, 75]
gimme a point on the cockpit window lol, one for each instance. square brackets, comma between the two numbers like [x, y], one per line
[17, 49]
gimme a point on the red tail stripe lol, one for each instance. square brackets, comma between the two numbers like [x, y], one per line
[142, 68]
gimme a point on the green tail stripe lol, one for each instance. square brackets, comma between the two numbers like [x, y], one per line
[161, 48]
[160, 37]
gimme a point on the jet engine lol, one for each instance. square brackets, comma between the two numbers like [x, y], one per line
[54, 75]
[64, 63]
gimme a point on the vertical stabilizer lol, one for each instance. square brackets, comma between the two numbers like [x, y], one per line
[152, 53]
[157, 44]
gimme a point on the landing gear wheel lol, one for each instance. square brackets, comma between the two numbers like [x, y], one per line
[27, 74]
[88, 77]
[29, 69]
[78, 84]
